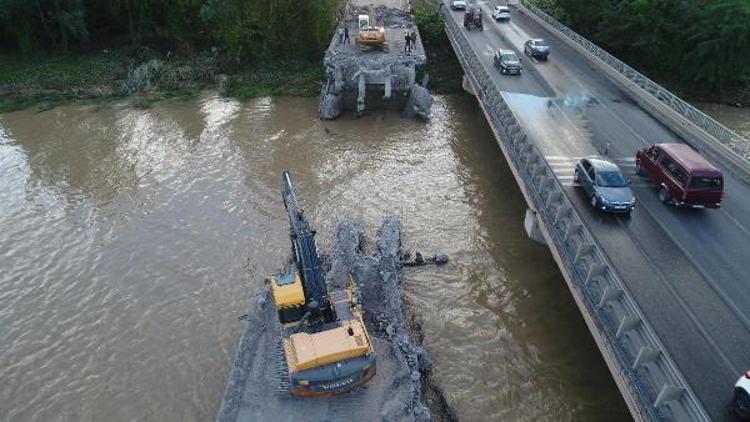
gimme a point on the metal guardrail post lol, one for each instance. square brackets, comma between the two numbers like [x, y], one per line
[624, 336]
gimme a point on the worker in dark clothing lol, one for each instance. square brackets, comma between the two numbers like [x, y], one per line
[407, 46]
[346, 34]
[341, 35]
[413, 39]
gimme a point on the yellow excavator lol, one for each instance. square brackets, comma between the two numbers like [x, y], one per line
[325, 347]
[369, 34]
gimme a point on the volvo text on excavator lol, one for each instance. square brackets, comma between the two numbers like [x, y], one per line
[325, 347]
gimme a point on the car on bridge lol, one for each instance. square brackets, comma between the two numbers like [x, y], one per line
[741, 400]
[684, 177]
[536, 48]
[473, 18]
[605, 184]
[501, 13]
[458, 4]
[508, 62]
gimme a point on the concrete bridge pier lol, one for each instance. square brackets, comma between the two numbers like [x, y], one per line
[531, 224]
[467, 86]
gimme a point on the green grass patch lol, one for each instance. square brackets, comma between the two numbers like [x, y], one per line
[46, 80]
[301, 79]
[61, 71]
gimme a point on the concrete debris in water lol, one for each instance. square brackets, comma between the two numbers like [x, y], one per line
[394, 394]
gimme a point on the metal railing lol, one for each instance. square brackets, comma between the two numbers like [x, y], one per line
[723, 135]
[648, 378]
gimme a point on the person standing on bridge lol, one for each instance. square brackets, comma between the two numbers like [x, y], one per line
[346, 34]
[341, 35]
[407, 46]
[413, 40]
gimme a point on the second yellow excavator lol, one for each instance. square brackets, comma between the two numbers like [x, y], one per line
[370, 35]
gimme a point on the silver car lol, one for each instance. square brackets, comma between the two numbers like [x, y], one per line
[458, 4]
[501, 13]
[605, 185]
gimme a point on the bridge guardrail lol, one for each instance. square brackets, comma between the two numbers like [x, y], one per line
[723, 140]
[651, 383]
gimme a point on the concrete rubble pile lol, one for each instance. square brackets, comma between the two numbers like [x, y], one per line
[360, 78]
[394, 394]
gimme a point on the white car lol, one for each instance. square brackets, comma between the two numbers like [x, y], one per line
[741, 399]
[458, 4]
[501, 13]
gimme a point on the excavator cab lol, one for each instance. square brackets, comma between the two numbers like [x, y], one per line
[364, 21]
[289, 297]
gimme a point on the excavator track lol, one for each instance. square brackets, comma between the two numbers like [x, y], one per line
[281, 384]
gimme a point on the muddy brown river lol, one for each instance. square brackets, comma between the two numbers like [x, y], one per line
[131, 239]
[735, 118]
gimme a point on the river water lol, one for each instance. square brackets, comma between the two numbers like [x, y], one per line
[735, 118]
[131, 239]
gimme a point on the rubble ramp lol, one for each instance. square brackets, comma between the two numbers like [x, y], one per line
[254, 391]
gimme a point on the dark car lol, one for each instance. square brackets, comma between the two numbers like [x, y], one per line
[684, 177]
[604, 183]
[537, 48]
[507, 61]
[473, 17]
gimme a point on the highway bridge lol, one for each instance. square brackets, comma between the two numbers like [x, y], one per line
[665, 292]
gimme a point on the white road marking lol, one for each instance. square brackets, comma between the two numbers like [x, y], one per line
[564, 166]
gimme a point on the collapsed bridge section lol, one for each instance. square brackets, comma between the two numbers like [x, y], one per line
[369, 64]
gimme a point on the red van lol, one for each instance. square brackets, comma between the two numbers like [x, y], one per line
[684, 177]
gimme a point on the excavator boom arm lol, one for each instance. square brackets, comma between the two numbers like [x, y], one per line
[304, 248]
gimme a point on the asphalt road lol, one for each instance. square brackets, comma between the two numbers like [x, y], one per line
[687, 269]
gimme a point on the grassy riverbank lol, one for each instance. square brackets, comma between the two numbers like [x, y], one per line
[45, 80]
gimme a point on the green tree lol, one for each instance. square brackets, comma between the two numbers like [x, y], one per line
[39, 23]
[718, 41]
[584, 16]
[278, 28]
[644, 32]
[17, 19]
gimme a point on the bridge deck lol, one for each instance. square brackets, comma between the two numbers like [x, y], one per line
[687, 269]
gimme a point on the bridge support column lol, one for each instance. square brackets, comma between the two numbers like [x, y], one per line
[594, 271]
[584, 248]
[645, 354]
[562, 212]
[668, 393]
[553, 197]
[610, 293]
[627, 323]
[466, 85]
[573, 228]
[531, 224]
